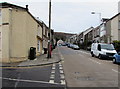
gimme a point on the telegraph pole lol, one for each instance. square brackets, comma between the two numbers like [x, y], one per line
[49, 33]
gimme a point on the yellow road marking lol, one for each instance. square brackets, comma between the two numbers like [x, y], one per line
[28, 66]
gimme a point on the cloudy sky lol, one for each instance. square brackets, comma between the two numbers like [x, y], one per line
[73, 16]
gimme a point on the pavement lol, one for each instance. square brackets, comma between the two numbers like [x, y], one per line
[39, 61]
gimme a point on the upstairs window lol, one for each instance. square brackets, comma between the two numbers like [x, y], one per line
[119, 25]
[0, 42]
[0, 17]
[0, 13]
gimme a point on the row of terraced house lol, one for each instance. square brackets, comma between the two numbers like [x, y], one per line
[107, 32]
[19, 31]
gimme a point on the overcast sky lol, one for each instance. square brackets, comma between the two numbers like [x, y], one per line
[73, 16]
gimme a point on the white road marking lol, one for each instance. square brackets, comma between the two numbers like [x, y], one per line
[17, 81]
[33, 81]
[53, 68]
[61, 71]
[62, 82]
[59, 63]
[84, 52]
[62, 76]
[60, 67]
[51, 81]
[94, 61]
[53, 71]
[115, 71]
[108, 61]
[52, 76]
[53, 65]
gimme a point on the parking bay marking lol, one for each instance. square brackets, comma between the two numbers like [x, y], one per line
[84, 52]
[115, 71]
[94, 61]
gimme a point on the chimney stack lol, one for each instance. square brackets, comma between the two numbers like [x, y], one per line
[26, 7]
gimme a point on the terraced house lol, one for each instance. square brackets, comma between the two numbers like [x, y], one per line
[113, 28]
[19, 31]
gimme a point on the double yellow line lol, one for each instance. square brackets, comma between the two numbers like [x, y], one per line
[29, 66]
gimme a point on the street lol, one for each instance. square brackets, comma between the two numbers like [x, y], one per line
[77, 69]
[82, 70]
[47, 76]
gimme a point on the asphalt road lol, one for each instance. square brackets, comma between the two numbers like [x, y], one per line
[77, 70]
[34, 77]
[83, 71]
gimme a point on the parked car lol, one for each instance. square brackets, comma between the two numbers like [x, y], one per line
[102, 50]
[116, 58]
[67, 44]
[76, 47]
[63, 44]
[59, 44]
[70, 45]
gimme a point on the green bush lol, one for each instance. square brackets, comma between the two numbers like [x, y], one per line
[116, 45]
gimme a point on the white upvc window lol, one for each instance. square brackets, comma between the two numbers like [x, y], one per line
[0, 42]
[0, 13]
[0, 17]
[119, 25]
[38, 46]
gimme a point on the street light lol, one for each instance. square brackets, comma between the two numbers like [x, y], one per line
[99, 20]
[98, 14]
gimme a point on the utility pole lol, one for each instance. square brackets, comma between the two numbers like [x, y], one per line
[49, 33]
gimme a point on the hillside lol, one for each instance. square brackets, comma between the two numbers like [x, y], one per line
[61, 35]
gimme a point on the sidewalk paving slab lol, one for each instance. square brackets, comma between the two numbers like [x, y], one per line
[39, 61]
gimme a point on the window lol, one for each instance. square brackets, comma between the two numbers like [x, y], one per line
[119, 25]
[0, 42]
[38, 46]
[0, 17]
[0, 13]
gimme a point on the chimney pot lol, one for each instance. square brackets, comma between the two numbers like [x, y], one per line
[27, 7]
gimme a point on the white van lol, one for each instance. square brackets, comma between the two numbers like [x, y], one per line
[101, 50]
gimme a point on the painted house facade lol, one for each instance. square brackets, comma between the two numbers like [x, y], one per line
[113, 29]
[19, 31]
[45, 36]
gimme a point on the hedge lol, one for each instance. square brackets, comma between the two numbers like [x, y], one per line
[116, 45]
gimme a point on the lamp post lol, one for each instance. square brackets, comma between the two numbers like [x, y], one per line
[49, 33]
[98, 14]
[99, 21]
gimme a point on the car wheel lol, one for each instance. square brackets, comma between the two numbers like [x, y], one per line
[92, 54]
[100, 56]
[114, 60]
